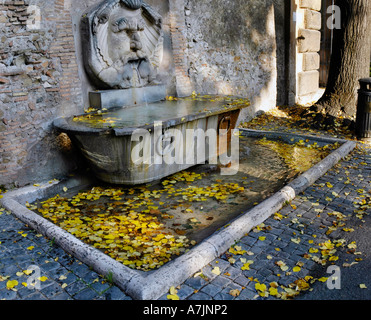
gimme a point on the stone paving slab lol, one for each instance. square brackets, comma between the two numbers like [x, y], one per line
[284, 238]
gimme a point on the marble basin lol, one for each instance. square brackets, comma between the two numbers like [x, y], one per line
[141, 143]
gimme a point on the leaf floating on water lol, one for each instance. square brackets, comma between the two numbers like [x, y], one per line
[298, 156]
[129, 224]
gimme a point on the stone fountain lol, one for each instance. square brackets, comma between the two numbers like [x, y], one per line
[135, 135]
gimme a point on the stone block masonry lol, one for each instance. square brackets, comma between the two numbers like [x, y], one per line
[311, 61]
[311, 4]
[38, 75]
[308, 81]
[309, 44]
[309, 40]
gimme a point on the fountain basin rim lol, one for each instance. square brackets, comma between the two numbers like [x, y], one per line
[64, 124]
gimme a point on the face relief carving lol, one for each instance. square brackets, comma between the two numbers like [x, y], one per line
[125, 44]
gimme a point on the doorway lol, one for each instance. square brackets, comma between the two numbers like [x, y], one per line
[326, 43]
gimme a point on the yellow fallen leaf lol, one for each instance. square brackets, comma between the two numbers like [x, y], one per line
[296, 269]
[30, 248]
[329, 185]
[27, 272]
[316, 204]
[216, 271]
[284, 268]
[282, 265]
[173, 291]
[278, 216]
[260, 287]
[262, 238]
[65, 189]
[303, 284]
[273, 291]
[234, 293]
[362, 286]
[2, 278]
[291, 292]
[352, 245]
[42, 279]
[246, 266]
[274, 284]
[172, 297]
[11, 284]
[347, 265]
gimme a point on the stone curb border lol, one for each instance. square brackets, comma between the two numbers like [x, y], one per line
[153, 284]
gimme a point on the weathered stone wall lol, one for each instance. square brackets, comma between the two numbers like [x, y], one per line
[211, 46]
[38, 82]
[232, 49]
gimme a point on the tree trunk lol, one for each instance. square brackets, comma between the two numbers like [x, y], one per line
[350, 58]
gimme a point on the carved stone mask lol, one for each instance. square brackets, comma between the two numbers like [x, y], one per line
[124, 44]
[132, 4]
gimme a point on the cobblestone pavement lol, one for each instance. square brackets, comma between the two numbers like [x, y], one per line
[285, 257]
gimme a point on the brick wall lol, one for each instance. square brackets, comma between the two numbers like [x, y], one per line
[38, 82]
